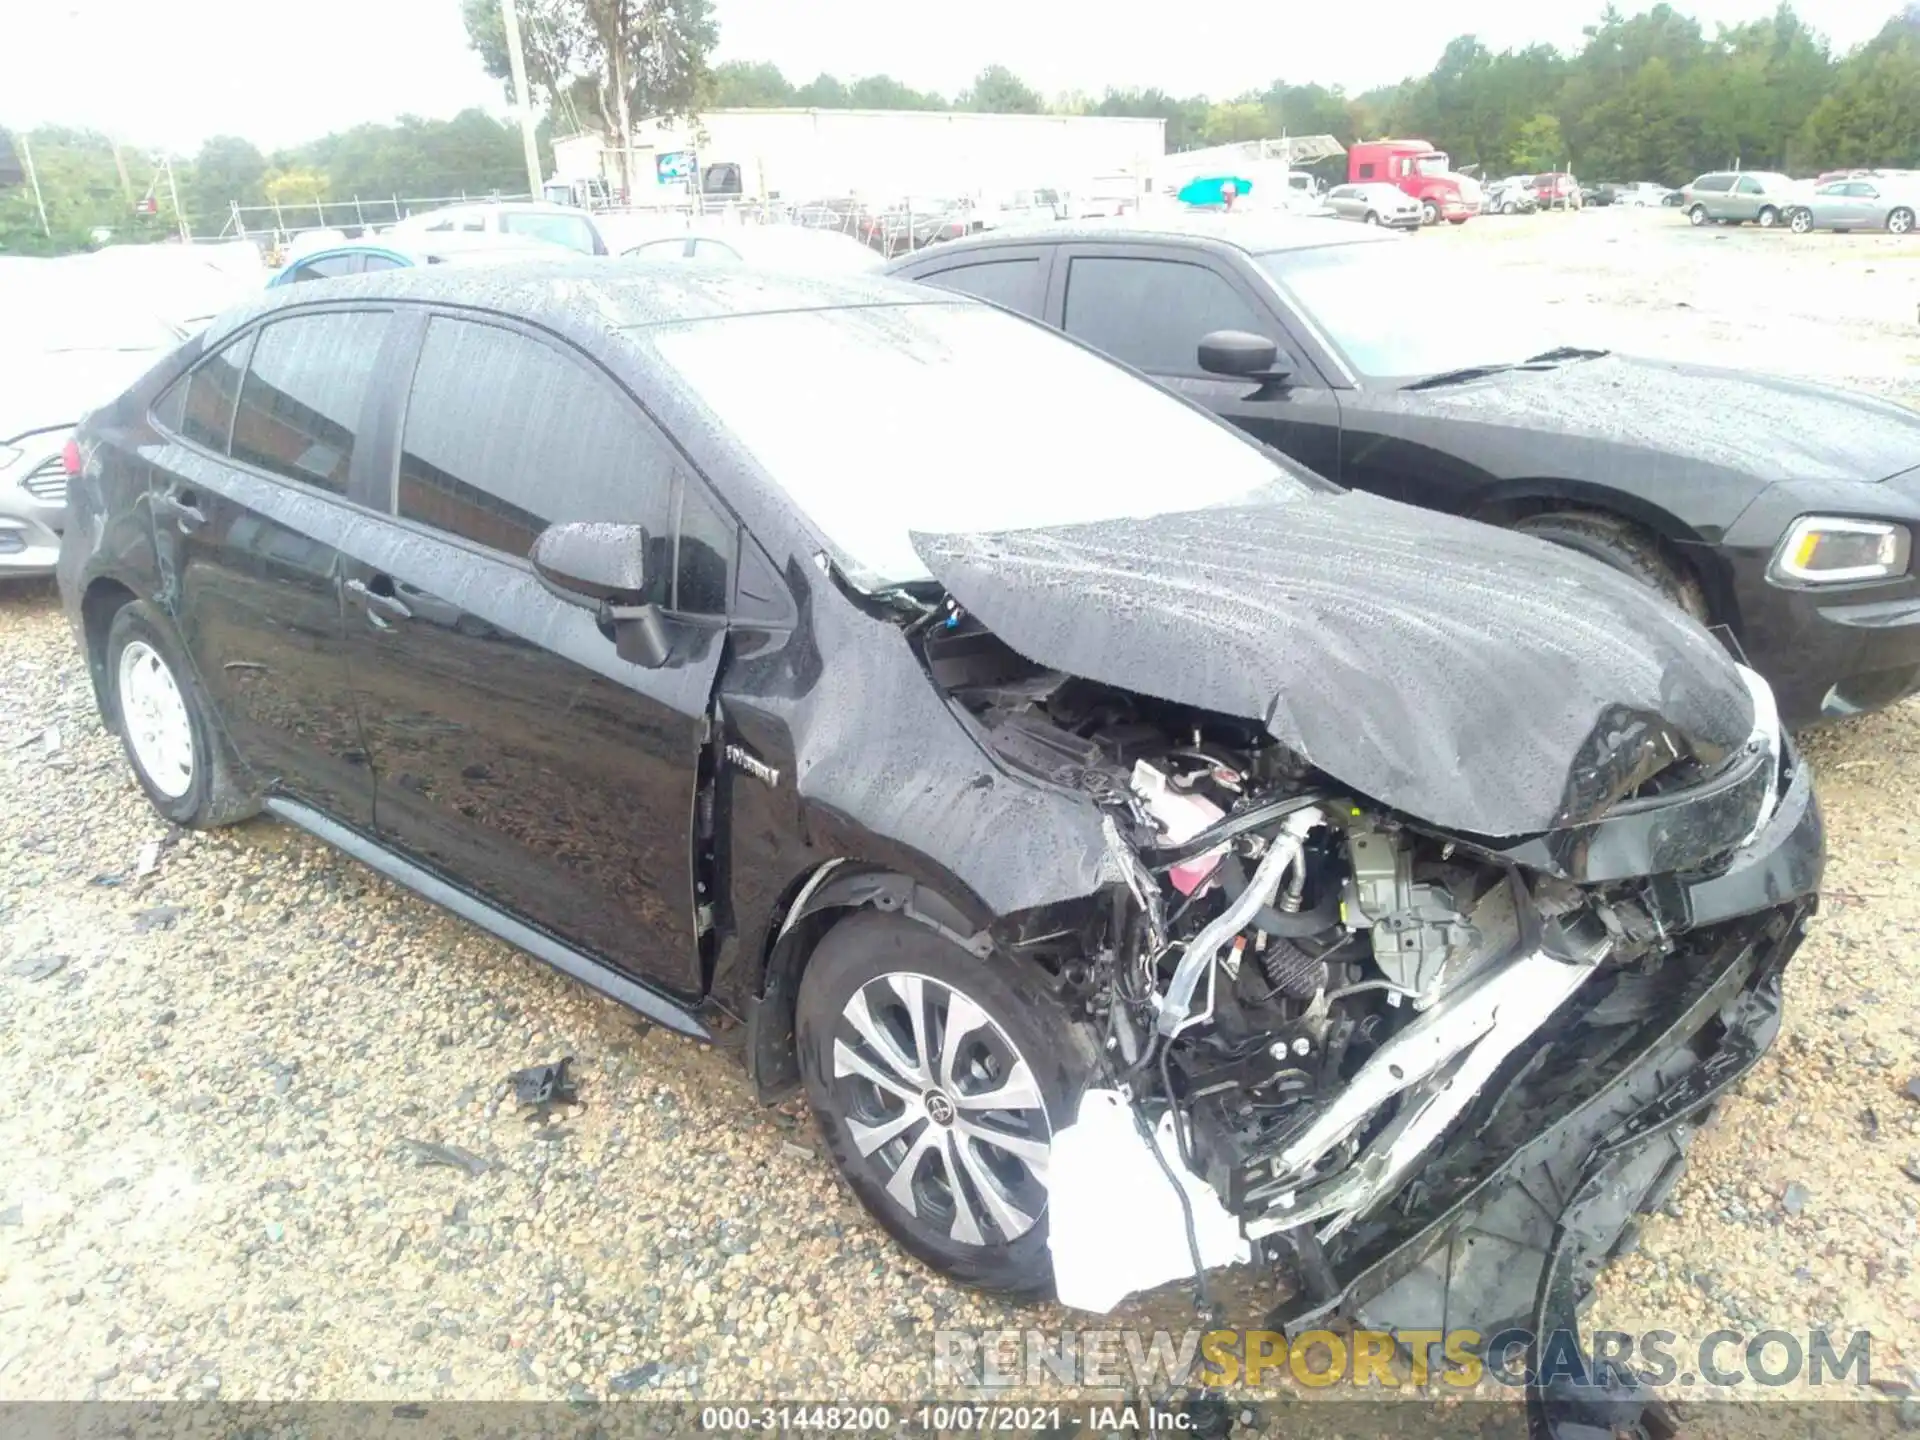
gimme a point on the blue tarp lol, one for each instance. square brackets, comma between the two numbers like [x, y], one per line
[1207, 191]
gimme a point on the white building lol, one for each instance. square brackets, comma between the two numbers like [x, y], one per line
[798, 155]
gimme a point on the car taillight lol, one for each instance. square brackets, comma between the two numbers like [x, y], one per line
[70, 458]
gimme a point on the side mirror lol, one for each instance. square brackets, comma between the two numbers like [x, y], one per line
[1252, 357]
[607, 566]
[592, 561]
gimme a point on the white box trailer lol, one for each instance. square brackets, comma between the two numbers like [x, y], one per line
[798, 155]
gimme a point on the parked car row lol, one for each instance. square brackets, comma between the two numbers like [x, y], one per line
[1881, 201]
[1089, 814]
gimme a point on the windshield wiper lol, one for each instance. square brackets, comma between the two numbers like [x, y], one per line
[1475, 372]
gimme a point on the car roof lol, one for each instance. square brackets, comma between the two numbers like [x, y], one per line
[1256, 232]
[586, 299]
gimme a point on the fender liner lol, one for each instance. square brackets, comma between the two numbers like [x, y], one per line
[771, 1053]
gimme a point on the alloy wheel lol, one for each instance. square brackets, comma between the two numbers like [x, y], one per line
[943, 1108]
[1900, 222]
[1801, 222]
[154, 713]
[1697, 215]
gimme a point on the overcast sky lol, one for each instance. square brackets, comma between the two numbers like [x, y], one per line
[172, 72]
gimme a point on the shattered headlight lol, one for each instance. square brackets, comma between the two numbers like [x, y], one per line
[1829, 550]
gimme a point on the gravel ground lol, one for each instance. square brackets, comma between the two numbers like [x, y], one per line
[220, 1053]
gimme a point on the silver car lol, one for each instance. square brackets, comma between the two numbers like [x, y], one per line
[1376, 204]
[1858, 204]
[64, 349]
[1735, 197]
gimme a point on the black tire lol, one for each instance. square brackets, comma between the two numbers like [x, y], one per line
[1900, 221]
[1372, 219]
[214, 795]
[866, 947]
[1429, 213]
[1697, 215]
[1627, 548]
[1768, 217]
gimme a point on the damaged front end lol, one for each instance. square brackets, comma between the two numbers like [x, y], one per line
[1365, 1031]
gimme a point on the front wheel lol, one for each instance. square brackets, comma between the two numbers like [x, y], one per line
[1900, 222]
[1800, 221]
[939, 1079]
[1429, 213]
[1768, 217]
[1372, 218]
[1627, 548]
[1697, 215]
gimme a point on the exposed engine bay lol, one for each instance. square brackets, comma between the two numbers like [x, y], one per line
[1313, 987]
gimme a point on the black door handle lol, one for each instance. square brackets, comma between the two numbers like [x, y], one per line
[377, 602]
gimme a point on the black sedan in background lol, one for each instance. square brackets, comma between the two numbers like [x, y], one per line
[1106, 773]
[1782, 511]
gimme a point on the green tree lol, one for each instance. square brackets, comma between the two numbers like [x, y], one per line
[748, 85]
[999, 91]
[226, 171]
[1872, 114]
[1539, 145]
[605, 60]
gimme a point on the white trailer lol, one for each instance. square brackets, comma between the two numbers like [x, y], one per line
[797, 155]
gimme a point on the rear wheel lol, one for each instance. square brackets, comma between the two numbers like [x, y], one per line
[1624, 546]
[1372, 218]
[939, 1079]
[166, 724]
[1697, 215]
[1900, 222]
[1429, 213]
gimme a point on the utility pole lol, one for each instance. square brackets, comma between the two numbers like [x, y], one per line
[186, 235]
[517, 62]
[120, 164]
[26, 154]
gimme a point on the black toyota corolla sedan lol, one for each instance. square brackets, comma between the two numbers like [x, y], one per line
[1783, 511]
[1093, 765]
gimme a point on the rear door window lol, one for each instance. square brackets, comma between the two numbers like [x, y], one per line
[1712, 184]
[1152, 313]
[1750, 186]
[1014, 283]
[306, 383]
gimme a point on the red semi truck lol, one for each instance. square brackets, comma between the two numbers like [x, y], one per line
[1422, 172]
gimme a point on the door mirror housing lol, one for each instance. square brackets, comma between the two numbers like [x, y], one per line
[587, 561]
[1248, 356]
[607, 567]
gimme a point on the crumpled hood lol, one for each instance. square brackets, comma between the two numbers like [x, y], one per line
[1766, 426]
[1478, 680]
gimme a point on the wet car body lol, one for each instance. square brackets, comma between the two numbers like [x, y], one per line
[870, 733]
[1696, 476]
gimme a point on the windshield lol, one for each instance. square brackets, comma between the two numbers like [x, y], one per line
[1400, 310]
[569, 230]
[1434, 164]
[886, 419]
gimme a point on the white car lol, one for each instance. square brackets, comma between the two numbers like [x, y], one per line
[1642, 193]
[71, 338]
[792, 248]
[521, 219]
[1375, 203]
